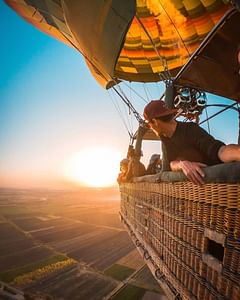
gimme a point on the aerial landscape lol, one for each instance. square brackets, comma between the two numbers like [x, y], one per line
[120, 150]
[70, 245]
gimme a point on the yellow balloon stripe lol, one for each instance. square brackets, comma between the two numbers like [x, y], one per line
[176, 27]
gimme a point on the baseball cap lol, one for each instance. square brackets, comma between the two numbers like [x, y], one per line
[157, 108]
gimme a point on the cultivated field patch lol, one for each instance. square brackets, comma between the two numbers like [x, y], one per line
[9, 233]
[77, 283]
[104, 249]
[132, 260]
[40, 222]
[25, 257]
[99, 218]
[35, 225]
[10, 275]
[43, 272]
[119, 272]
[13, 210]
[14, 246]
[153, 296]
[63, 232]
[72, 245]
[130, 292]
[146, 280]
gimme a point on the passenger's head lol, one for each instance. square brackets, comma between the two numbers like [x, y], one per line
[156, 113]
[155, 159]
[124, 165]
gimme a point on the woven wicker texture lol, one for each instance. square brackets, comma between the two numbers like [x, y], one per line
[171, 219]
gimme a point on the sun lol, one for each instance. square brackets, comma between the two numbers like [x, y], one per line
[93, 167]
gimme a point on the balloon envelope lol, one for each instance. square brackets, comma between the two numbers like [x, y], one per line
[131, 40]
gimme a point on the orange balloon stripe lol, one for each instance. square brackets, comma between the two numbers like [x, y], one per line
[176, 36]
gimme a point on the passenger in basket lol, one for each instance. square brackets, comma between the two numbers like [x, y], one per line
[135, 167]
[122, 176]
[154, 165]
[130, 168]
[186, 146]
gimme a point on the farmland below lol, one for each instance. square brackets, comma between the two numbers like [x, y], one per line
[70, 245]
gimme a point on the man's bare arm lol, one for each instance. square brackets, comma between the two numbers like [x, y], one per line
[192, 170]
[228, 153]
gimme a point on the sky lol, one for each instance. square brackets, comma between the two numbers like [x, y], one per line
[52, 108]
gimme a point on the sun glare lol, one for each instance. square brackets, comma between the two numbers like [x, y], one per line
[94, 167]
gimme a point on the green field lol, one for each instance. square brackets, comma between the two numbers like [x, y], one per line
[118, 272]
[130, 292]
[9, 276]
[16, 210]
[68, 245]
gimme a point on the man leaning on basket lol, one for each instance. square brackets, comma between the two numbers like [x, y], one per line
[186, 146]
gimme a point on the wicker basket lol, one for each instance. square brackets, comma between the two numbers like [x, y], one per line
[170, 220]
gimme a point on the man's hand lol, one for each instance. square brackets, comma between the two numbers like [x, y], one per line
[193, 171]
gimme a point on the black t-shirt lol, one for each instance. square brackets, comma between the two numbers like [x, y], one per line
[190, 142]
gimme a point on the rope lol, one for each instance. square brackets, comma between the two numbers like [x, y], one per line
[209, 131]
[128, 113]
[145, 91]
[158, 89]
[129, 104]
[131, 119]
[135, 92]
[221, 105]
[222, 110]
[162, 75]
[176, 30]
[119, 113]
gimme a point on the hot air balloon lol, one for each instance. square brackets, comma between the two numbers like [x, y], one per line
[131, 40]
[188, 235]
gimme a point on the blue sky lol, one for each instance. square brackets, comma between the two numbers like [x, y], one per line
[51, 106]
